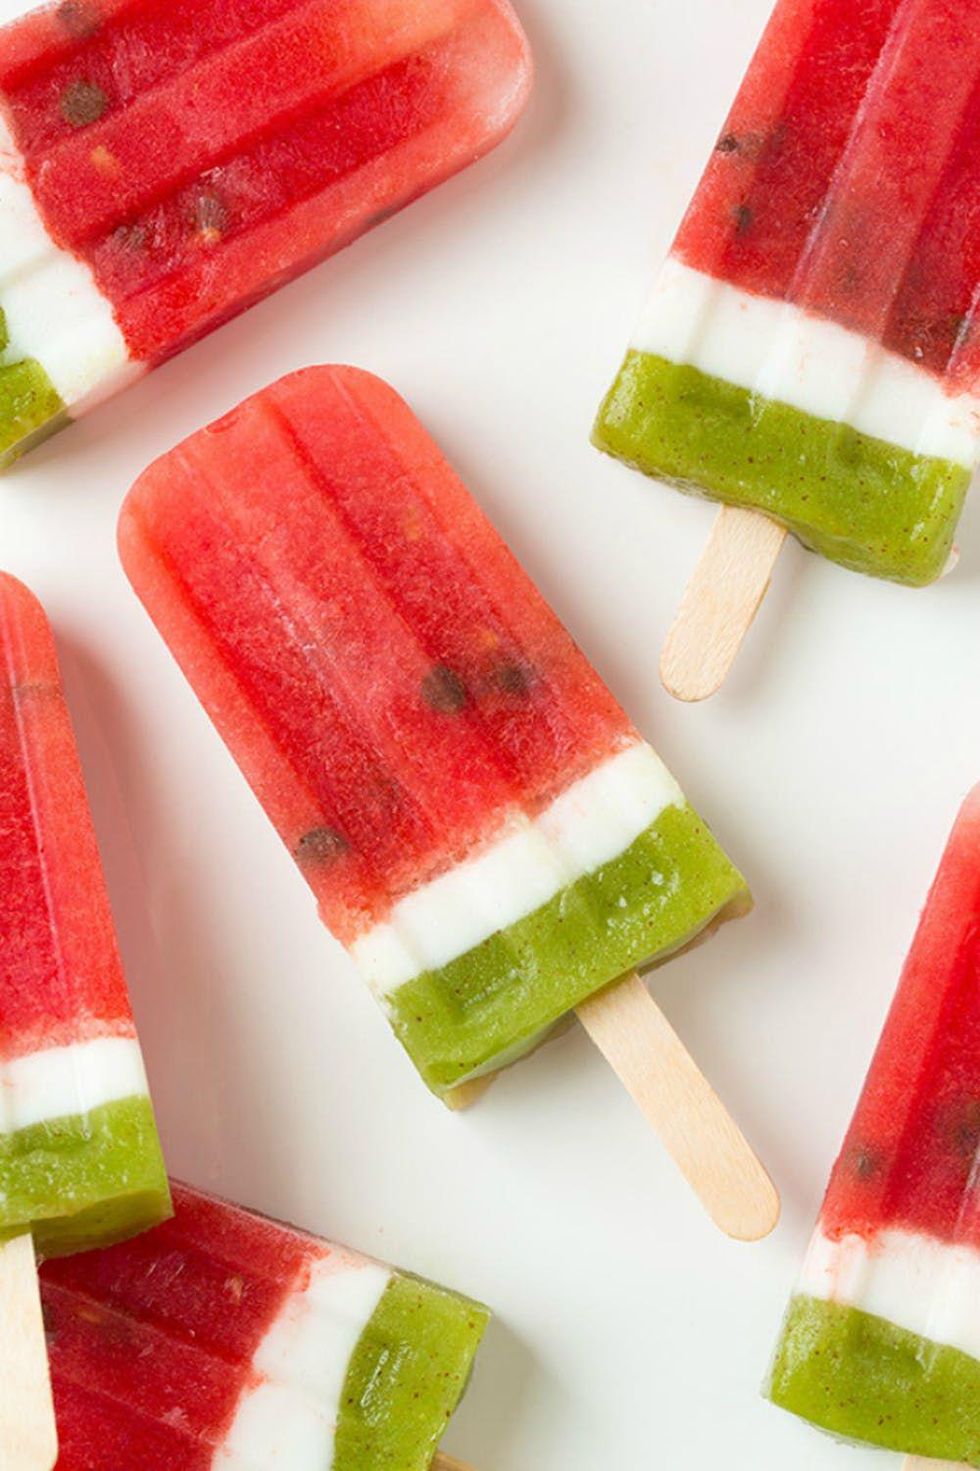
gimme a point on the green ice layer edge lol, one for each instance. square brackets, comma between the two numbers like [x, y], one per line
[860, 501]
[407, 1374]
[495, 1003]
[30, 406]
[84, 1181]
[865, 1380]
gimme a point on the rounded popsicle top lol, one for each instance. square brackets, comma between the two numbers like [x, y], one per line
[29, 652]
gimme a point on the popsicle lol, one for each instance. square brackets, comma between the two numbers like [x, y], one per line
[224, 1339]
[166, 163]
[809, 353]
[481, 824]
[80, 1161]
[882, 1338]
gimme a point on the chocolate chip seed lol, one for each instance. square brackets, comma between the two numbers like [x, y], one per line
[83, 103]
[80, 18]
[961, 1126]
[514, 679]
[444, 691]
[867, 1162]
[321, 845]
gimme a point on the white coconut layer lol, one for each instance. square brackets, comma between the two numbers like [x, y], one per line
[61, 1082]
[779, 351]
[55, 313]
[288, 1416]
[533, 859]
[926, 1286]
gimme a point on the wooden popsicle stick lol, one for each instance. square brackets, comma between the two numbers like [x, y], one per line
[916, 1463]
[720, 602]
[464, 1095]
[449, 1463]
[663, 1079]
[28, 1436]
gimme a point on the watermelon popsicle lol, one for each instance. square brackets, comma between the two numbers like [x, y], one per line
[809, 351]
[256, 1345]
[166, 163]
[882, 1338]
[482, 826]
[80, 1162]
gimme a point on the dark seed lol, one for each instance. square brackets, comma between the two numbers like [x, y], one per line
[444, 691]
[961, 1128]
[80, 18]
[727, 143]
[744, 218]
[867, 1161]
[321, 845]
[514, 679]
[83, 103]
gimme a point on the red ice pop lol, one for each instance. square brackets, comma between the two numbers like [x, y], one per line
[80, 1162]
[166, 163]
[225, 1341]
[882, 1339]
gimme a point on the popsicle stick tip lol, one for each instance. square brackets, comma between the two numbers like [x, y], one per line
[700, 1135]
[466, 1094]
[449, 1463]
[28, 1435]
[720, 603]
[916, 1463]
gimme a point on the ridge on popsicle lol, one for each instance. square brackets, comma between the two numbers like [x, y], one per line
[165, 164]
[881, 1341]
[483, 827]
[808, 354]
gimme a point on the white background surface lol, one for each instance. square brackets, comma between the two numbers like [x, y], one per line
[629, 1334]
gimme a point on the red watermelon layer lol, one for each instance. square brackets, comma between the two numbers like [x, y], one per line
[61, 980]
[911, 1156]
[847, 176]
[152, 1342]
